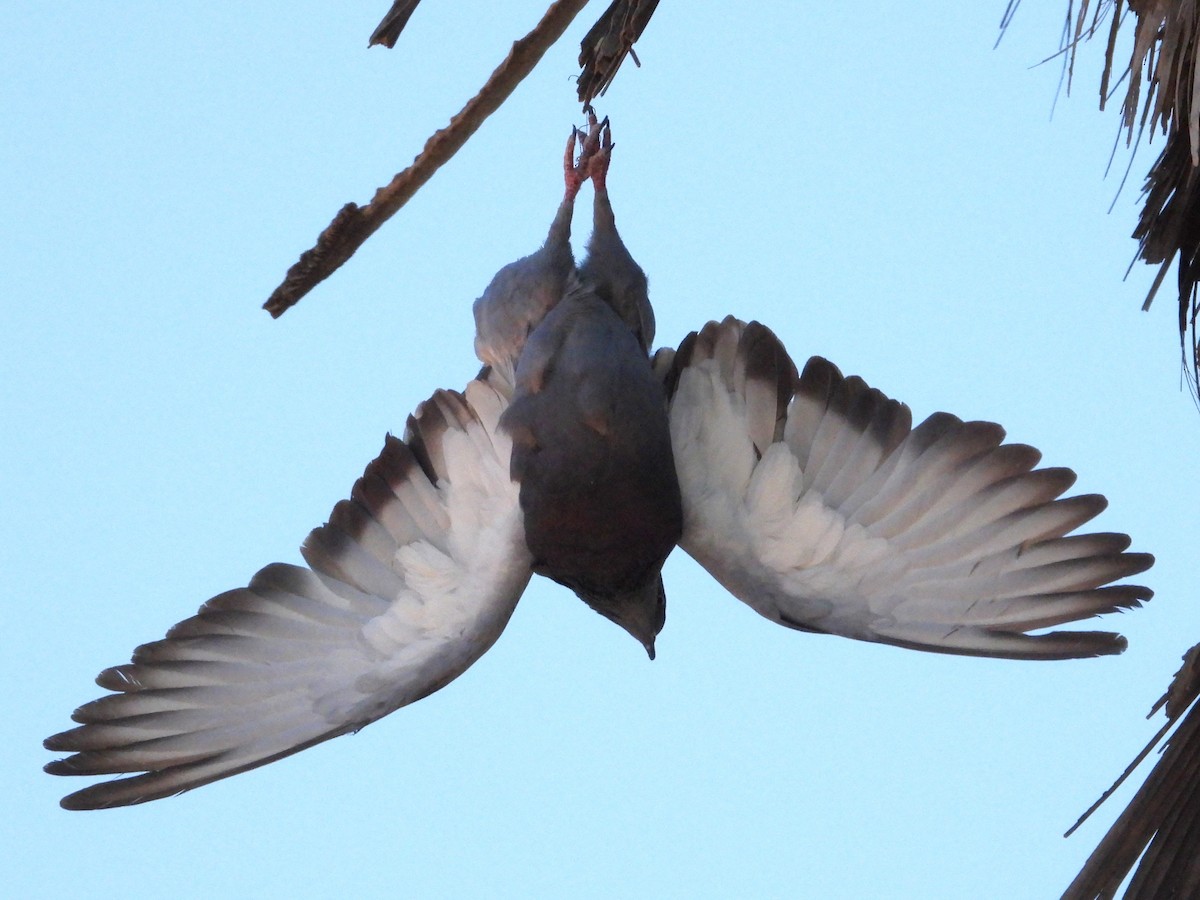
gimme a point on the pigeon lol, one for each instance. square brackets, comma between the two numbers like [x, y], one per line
[591, 439]
[577, 455]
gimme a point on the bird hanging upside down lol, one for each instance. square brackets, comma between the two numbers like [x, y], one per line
[577, 455]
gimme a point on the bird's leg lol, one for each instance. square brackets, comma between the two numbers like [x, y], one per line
[601, 157]
[595, 126]
[571, 175]
[577, 171]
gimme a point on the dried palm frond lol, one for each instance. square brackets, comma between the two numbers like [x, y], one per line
[609, 41]
[1163, 62]
[1158, 831]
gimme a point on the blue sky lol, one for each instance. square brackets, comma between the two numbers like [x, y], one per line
[881, 188]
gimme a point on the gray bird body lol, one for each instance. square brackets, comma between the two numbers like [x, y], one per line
[592, 453]
[808, 495]
[591, 440]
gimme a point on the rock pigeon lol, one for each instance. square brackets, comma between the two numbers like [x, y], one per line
[577, 455]
[591, 440]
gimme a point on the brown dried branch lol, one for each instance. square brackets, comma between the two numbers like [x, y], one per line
[354, 224]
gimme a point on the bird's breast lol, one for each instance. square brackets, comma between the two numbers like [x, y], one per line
[592, 452]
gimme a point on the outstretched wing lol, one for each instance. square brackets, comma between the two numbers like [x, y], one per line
[811, 498]
[411, 580]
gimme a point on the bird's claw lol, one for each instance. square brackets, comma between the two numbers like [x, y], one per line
[600, 158]
[595, 142]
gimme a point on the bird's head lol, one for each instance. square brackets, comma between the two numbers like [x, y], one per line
[641, 611]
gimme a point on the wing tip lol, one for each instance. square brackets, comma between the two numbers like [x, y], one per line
[1139, 562]
[1001, 643]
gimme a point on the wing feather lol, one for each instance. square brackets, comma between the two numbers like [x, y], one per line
[813, 499]
[411, 580]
